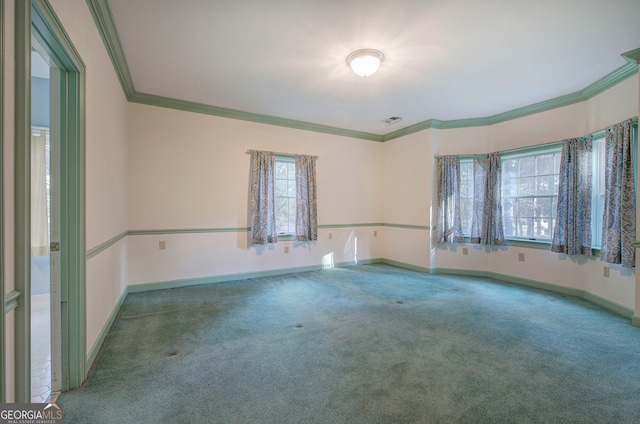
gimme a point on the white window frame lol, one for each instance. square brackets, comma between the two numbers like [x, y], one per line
[291, 196]
[466, 230]
[531, 154]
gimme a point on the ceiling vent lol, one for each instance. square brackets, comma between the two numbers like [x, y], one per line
[392, 120]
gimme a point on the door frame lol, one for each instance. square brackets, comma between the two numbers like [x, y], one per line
[37, 18]
[3, 363]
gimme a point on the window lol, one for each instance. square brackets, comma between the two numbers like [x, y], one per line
[466, 195]
[530, 194]
[285, 195]
[597, 192]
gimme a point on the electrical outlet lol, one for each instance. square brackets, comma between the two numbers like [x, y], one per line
[375, 233]
[162, 244]
[521, 257]
[605, 271]
[286, 250]
[465, 251]
[330, 236]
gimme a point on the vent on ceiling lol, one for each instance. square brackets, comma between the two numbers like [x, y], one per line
[392, 120]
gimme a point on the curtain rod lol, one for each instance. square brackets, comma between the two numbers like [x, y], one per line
[595, 134]
[290, 155]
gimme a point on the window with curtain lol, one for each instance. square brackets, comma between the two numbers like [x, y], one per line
[530, 191]
[283, 197]
[572, 232]
[619, 215]
[448, 216]
[466, 195]
[486, 221]
[285, 194]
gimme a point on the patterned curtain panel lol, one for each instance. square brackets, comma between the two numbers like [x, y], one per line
[619, 219]
[262, 207]
[448, 217]
[306, 203]
[572, 232]
[486, 221]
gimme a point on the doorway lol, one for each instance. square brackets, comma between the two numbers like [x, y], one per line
[37, 26]
[45, 322]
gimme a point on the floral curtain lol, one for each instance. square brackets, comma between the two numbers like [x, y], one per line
[262, 209]
[306, 203]
[619, 218]
[448, 217]
[486, 221]
[572, 232]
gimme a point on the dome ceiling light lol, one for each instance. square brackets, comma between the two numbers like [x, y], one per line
[365, 62]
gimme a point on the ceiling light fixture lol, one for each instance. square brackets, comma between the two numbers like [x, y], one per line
[365, 62]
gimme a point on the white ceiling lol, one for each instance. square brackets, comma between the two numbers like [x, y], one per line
[444, 59]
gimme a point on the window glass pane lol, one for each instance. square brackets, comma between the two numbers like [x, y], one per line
[543, 207]
[466, 188]
[525, 208]
[527, 166]
[525, 227]
[291, 227]
[509, 227]
[282, 214]
[510, 187]
[526, 186]
[465, 211]
[281, 170]
[281, 188]
[285, 193]
[466, 171]
[509, 168]
[529, 194]
[509, 208]
[542, 228]
[546, 185]
[544, 165]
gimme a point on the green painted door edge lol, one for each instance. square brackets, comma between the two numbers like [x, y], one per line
[22, 201]
[48, 30]
[3, 363]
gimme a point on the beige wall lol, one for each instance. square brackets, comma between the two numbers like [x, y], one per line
[106, 166]
[191, 171]
[408, 154]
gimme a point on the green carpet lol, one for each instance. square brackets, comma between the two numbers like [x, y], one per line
[368, 344]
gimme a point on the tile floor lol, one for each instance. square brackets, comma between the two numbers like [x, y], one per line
[40, 348]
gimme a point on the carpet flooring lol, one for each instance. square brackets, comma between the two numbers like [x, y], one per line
[368, 344]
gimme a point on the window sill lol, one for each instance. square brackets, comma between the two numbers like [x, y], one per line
[286, 237]
[532, 244]
[535, 244]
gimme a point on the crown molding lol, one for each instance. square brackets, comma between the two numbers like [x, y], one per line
[106, 27]
[172, 103]
[632, 56]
